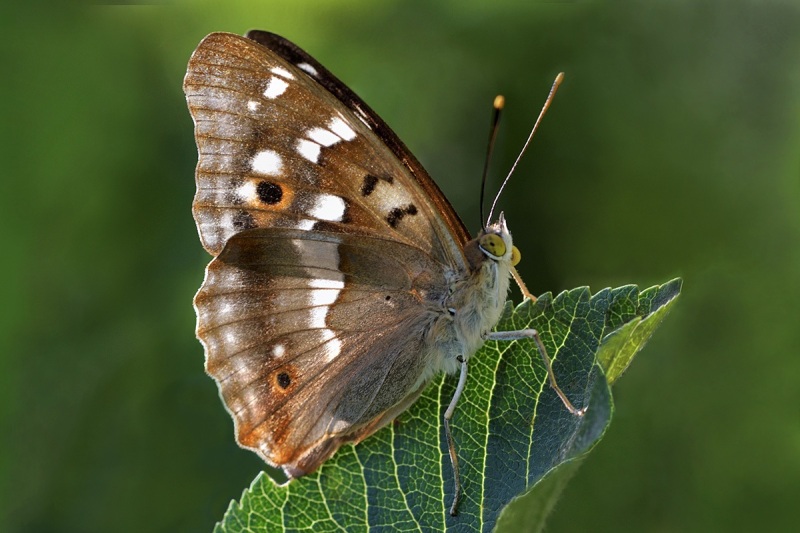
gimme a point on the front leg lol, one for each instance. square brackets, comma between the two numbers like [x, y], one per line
[533, 334]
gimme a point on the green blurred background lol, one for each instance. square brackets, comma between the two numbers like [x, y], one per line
[672, 149]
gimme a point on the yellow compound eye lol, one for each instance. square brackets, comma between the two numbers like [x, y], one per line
[515, 256]
[493, 245]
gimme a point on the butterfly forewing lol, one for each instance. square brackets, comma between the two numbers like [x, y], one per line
[278, 149]
[296, 56]
[332, 248]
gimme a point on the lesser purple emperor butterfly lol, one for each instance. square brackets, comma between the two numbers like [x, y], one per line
[342, 278]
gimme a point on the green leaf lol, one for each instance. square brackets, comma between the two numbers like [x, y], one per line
[631, 319]
[511, 431]
[634, 318]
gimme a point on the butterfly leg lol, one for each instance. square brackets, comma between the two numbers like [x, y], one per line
[533, 334]
[451, 445]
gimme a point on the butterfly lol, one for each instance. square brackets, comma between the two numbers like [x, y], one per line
[343, 280]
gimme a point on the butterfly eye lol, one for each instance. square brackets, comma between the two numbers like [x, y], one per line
[493, 245]
[515, 256]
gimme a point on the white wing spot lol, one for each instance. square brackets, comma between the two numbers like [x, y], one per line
[267, 162]
[306, 224]
[275, 87]
[342, 129]
[328, 207]
[327, 291]
[309, 150]
[333, 347]
[279, 350]
[247, 192]
[280, 71]
[253, 105]
[323, 136]
[323, 291]
[327, 283]
[308, 68]
[318, 317]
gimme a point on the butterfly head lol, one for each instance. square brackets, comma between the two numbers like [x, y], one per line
[495, 243]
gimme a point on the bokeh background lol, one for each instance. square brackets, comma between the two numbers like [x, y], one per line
[672, 149]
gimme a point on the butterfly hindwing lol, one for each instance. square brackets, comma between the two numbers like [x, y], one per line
[292, 322]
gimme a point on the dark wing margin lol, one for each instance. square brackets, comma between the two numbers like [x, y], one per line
[297, 56]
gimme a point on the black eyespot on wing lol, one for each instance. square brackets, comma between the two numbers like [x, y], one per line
[269, 193]
[369, 184]
[243, 220]
[283, 380]
[396, 215]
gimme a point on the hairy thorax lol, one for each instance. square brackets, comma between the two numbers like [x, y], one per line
[471, 310]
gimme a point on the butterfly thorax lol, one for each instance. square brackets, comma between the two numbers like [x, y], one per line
[476, 300]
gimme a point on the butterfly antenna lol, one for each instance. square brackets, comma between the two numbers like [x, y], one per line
[498, 104]
[546, 105]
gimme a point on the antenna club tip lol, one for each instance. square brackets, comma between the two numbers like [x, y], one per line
[560, 77]
[499, 102]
